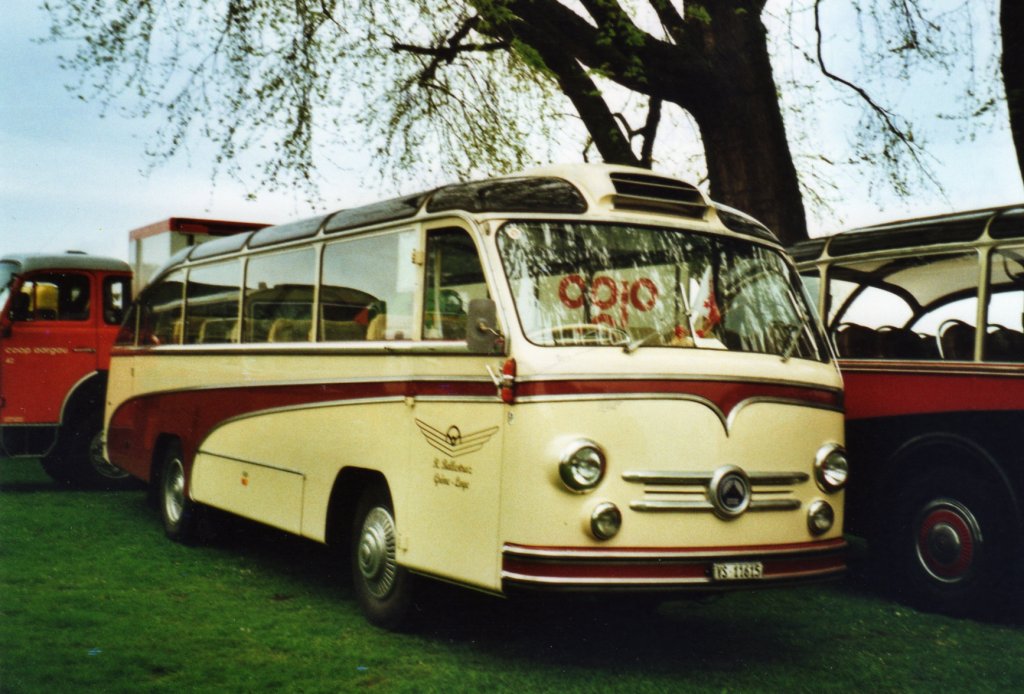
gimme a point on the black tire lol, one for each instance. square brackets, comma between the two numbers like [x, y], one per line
[383, 589]
[77, 459]
[180, 514]
[953, 545]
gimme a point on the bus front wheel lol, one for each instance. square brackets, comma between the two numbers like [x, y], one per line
[952, 542]
[383, 588]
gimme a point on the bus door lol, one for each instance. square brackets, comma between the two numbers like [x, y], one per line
[457, 422]
[50, 347]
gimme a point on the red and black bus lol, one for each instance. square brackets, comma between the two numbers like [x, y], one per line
[927, 319]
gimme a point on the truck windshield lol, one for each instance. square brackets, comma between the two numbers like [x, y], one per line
[631, 286]
[7, 271]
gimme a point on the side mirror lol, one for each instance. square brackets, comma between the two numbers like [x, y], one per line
[482, 335]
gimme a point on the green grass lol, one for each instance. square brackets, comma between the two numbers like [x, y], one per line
[93, 598]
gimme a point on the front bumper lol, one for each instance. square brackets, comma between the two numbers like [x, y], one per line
[641, 569]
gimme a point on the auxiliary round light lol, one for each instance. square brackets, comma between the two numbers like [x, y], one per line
[831, 468]
[582, 466]
[605, 521]
[820, 517]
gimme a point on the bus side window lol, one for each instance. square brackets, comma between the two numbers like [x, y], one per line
[279, 297]
[160, 315]
[454, 277]
[367, 289]
[1004, 334]
[211, 306]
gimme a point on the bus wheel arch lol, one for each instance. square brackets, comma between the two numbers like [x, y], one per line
[953, 520]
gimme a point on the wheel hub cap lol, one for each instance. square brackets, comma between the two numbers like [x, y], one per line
[948, 540]
[376, 552]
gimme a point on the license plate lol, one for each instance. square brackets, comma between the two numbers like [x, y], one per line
[738, 571]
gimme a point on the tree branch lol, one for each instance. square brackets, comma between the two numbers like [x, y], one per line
[450, 49]
[886, 116]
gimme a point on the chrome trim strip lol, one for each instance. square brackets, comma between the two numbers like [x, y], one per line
[932, 368]
[665, 505]
[237, 385]
[774, 505]
[560, 581]
[570, 554]
[672, 477]
[657, 505]
[266, 466]
[673, 377]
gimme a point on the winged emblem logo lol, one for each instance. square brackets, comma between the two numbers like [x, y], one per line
[453, 443]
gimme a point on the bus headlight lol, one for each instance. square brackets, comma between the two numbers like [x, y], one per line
[582, 466]
[820, 517]
[831, 468]
[605, 521]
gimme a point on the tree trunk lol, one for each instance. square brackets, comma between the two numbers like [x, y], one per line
[749, 163]
[1011, 20]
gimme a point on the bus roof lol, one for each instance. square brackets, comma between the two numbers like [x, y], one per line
[71, 260]
[566, 189]
[957, 227]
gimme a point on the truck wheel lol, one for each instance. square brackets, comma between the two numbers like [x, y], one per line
[98, 472]
[179, 513]
[952, 545]
[383, 588]
[77, 459]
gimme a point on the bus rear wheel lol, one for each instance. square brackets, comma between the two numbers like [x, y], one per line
[178, 512]
[383, 589]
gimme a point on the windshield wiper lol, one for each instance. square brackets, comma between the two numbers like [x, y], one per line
[794, 333]
[634, 345]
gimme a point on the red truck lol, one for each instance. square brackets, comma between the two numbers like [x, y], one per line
[59, 315]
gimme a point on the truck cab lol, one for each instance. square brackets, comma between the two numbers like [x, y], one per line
[59, 315]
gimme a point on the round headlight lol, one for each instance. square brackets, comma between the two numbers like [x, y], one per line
[605, 521]
[820, 517]
[582, 466]
[831, 469]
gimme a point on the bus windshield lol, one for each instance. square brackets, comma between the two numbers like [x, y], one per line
[632, 286]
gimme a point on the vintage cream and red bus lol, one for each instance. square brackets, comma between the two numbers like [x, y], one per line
[926, 317]
[59, 315]
[582, 378]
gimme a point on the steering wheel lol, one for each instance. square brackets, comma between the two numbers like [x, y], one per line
[581, 334]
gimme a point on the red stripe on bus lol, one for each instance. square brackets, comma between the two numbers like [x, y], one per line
[190, 415]
[889, 394]
[725, 395]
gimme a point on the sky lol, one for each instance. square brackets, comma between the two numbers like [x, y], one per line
[74, 177]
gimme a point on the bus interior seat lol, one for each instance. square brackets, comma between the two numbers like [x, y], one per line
[856, 341]
[376, 330]
[290, 330]
[956, 341]
[1004, 344]
[904, 343]
[342, 330]
[218, 331]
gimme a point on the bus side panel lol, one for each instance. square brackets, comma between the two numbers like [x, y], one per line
[265, 493]
[447, 507]
[280, 467]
